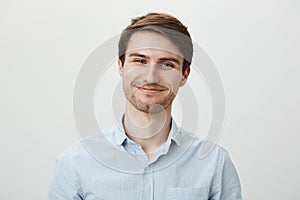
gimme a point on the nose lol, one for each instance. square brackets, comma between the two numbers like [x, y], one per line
[152, 74]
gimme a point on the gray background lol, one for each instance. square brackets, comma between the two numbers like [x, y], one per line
[254, 45]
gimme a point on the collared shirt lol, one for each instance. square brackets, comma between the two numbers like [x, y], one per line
[111, 167]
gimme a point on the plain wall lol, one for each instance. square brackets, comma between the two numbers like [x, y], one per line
[254, 45]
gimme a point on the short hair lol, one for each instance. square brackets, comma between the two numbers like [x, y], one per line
[164, 24]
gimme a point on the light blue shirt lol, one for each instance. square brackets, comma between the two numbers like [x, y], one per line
[113, 167]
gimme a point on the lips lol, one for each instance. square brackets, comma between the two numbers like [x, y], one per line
[151, 90]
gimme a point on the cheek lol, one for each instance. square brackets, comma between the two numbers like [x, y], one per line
[132, 72]
[173, 78]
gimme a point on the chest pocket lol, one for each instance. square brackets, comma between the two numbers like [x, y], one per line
[186, 193]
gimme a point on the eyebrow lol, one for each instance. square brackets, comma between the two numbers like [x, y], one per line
[138, 55]
[170, 59]
[160, 59]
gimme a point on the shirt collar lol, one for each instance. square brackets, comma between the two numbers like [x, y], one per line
[119, 137]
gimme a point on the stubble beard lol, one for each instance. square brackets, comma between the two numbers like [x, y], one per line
[150, 108]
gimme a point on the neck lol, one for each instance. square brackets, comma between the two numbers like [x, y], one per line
[149, 130]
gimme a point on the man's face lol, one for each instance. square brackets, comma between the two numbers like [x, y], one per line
[152, 71]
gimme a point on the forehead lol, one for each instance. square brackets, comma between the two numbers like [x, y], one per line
[145, 40]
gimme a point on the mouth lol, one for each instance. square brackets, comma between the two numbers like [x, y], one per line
[151, 90]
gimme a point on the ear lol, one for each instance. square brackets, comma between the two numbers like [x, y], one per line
[185, 76]
[120, 67]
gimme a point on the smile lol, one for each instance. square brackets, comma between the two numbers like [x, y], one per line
[150, 90]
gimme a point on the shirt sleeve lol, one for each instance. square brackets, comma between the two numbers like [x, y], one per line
[227, 181]
[64, 184]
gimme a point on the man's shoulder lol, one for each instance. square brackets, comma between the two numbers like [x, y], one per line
[203, 146]
[72, 152]
[81, 149]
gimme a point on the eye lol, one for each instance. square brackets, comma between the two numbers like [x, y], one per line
[167, 65]
[140, 61]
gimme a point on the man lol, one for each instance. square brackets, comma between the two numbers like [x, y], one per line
[147, 156]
